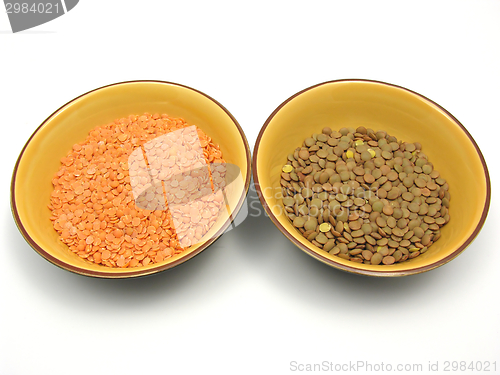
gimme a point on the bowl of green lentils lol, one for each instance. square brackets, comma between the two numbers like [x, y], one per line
[371, 178]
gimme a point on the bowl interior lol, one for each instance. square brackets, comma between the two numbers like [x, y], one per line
[71, 124]
[403, 114]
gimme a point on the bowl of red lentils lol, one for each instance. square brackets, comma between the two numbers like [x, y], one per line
[130, 179]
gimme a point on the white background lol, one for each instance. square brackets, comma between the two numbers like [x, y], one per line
[251, 303]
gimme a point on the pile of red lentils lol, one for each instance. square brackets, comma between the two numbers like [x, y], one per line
[92, 204]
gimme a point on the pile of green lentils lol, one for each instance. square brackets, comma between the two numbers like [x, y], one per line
[364, 196]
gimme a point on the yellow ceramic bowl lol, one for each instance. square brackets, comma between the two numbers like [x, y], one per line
[403, 114]
[40, 159]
